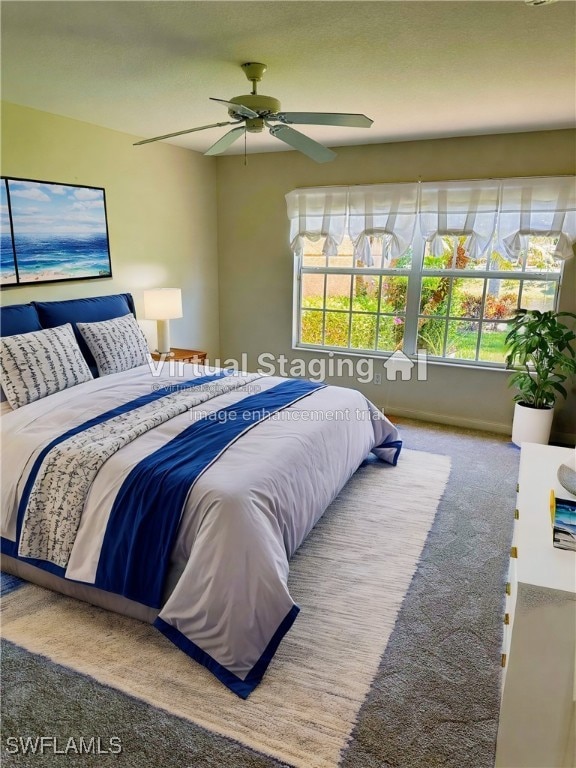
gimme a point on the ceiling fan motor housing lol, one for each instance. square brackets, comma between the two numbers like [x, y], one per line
[264, 105]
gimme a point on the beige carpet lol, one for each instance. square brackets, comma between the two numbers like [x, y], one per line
[349, 578]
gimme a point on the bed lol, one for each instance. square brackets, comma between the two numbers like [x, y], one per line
[176, 496]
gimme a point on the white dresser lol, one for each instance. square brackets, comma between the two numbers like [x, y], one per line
[537, 719]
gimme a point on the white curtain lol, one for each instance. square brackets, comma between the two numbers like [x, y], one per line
[518, 207]
[385, 211]
[459, 208]
[317, 213]
[540, 206]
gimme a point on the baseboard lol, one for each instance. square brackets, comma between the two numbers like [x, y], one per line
[558, 438]
[452, 421]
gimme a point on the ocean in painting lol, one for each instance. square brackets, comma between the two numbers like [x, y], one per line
[45, 257]
[7, 270]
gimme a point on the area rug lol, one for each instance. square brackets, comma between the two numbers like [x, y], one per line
[350, 578]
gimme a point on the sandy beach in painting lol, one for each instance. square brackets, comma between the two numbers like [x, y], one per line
[43, 276]
[8, 279]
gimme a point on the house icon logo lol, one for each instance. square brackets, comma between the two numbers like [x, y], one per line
[399, 363]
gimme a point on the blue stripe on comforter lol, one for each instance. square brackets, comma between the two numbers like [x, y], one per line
[242, 688]
[144, 520]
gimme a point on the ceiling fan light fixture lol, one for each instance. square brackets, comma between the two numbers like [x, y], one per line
[255, 125]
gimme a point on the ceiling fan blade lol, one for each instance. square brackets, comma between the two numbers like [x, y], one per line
[190, 130]
[227, 140]
[324, 118]
[302, 143]
[239, 109]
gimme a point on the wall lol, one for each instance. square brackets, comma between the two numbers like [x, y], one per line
[161, 204]
[165, 230]
[256, 263]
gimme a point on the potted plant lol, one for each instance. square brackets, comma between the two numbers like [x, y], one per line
[540, 350]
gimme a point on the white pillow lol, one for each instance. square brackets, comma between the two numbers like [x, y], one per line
[117, 344]
[40, 363]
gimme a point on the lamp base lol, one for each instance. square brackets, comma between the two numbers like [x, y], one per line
[163, 342]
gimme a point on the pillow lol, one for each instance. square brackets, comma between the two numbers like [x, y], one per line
[116, 345]
[19, 318]
[91, 310]
[34, 365]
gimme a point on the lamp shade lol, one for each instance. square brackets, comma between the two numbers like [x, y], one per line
[162, 303]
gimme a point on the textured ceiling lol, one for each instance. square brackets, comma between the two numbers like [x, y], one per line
[418, 69]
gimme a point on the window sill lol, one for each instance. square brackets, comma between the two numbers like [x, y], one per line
[406, 359]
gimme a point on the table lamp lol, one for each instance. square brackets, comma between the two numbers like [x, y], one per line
[163, 305]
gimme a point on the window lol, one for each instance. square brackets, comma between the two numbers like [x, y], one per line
[345, 304]
[448, 283]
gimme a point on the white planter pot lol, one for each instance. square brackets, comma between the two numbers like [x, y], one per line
[531, 425]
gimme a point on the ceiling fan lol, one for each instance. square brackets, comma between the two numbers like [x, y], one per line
[252, 112]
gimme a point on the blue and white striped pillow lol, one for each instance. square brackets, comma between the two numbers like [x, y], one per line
[40, 363]
[117, 345]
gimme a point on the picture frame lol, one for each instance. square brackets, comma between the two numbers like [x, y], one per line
[52, 232]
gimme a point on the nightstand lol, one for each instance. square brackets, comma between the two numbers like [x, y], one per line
[182, 356]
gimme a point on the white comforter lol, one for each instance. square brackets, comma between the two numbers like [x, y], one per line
[243, 519]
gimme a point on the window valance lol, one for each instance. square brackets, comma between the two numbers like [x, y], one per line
[459, 208]
[510, 208]
[317, 213]
[384, 211]
[542, 206]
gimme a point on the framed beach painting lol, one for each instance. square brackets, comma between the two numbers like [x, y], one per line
[53, 232]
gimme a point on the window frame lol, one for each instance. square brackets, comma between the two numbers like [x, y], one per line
[415, 275]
